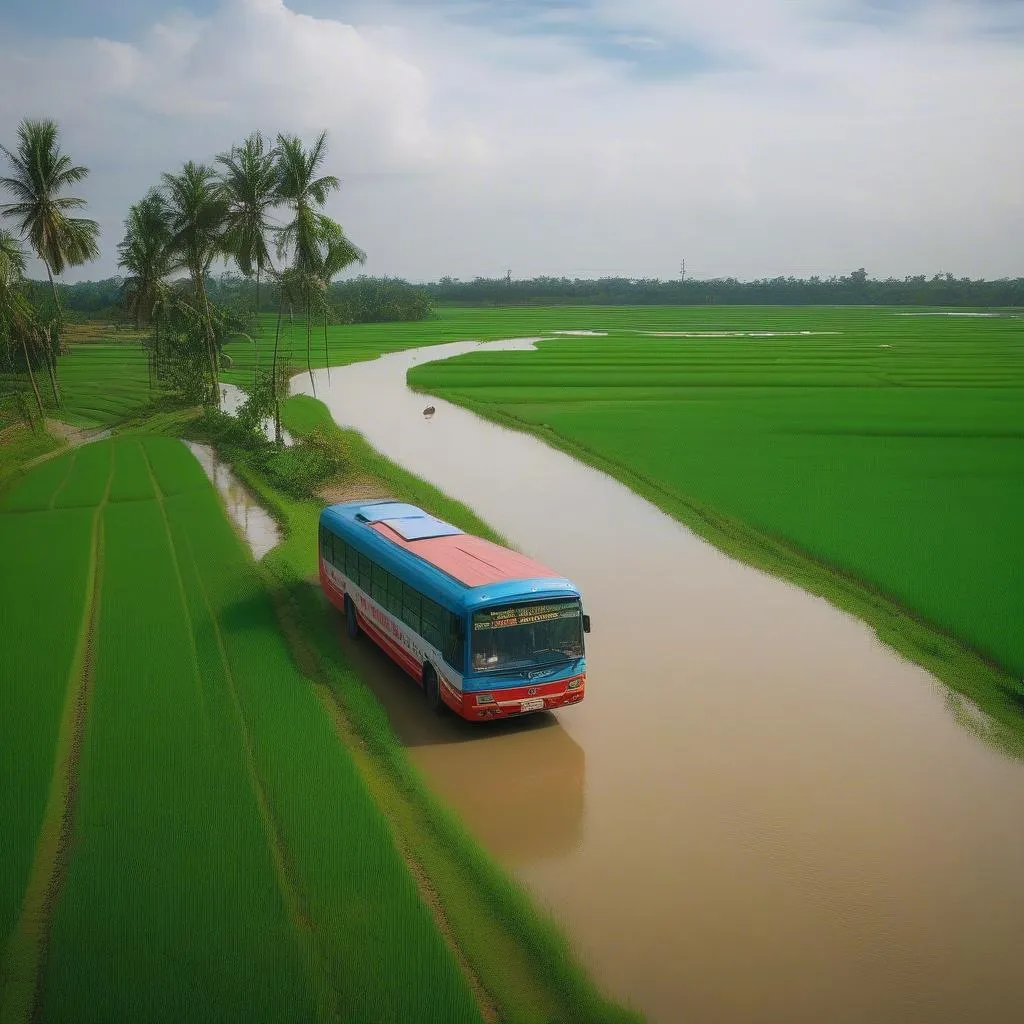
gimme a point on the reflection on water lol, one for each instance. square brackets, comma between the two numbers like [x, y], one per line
[783, 820]
[257, 526]
[518, 785]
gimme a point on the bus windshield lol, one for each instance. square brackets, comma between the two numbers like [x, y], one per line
[525, 635]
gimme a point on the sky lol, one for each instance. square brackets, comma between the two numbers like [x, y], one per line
[750, 138]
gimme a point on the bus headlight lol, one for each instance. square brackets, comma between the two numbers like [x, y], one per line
[485, 698]
[574, 684]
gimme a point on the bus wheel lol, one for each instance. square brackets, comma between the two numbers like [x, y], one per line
[432, 689]
[351, 622]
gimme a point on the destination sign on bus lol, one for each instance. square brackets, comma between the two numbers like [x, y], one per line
[525, 615]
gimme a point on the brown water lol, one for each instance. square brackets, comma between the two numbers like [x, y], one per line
[256, 525]
[759, 813]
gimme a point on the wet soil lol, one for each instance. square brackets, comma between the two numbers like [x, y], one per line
[760, 813]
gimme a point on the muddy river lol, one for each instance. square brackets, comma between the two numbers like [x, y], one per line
[759, 813]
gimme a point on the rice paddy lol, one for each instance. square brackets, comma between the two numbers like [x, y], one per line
[184, 836]
[889, 448]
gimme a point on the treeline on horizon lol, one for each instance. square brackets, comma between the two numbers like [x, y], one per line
[367, 299]
[358, 300]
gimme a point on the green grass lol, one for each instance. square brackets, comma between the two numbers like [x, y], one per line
[102, 384]
[42, 597]
[20, 445]
[891, 453]
[228, 860]
[350, 343]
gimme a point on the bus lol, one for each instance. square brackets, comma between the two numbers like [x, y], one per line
[486, 631]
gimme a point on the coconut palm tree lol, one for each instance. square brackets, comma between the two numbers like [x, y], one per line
[250, 179]
[17, 318]
[146, 254]
[340, 253]
[317, 245]
[40, 173]
[197, 212]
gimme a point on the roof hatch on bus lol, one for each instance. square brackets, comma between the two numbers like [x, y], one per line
[421, 528]
[382, 510]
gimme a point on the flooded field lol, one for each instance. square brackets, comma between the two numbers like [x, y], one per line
[760, 813]
[252, 520]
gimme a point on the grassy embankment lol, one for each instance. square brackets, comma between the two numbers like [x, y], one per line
[185, 837]
[881, 467]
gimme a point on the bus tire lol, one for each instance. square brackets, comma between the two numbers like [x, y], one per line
[432, 689]
[351, 622]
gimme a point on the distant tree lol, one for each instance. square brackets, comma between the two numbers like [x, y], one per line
[40, 173]
[146, 254]
[250, 180]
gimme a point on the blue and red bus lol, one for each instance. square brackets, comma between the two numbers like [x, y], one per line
[486, 631]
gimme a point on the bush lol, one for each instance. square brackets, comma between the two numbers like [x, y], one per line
[298, 471]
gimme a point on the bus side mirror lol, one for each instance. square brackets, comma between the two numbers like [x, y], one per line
[586, 623]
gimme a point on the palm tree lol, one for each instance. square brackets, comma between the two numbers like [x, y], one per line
[340, 253]
[197, 211]
[307, 234]
[250, 180]
[41, 172]
[17, 318]
[318, 246]
[146, 253]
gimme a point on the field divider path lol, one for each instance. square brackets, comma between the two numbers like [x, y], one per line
[292, 895]
[21, 984]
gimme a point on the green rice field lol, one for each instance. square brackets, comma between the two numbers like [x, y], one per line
[185, 838]
[889, 448]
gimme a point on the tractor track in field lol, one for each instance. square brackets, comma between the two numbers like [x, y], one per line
[22, 992]
[292, 895]
[308, 663]
[67, 476]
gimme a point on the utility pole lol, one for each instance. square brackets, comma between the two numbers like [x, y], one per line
[682, 270]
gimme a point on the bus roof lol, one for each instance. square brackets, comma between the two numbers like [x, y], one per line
[458, 562]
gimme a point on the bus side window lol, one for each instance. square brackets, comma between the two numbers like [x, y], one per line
[411, 607]
[431, 631]
[394, 601]
[351, 563]
[454, 641]
[365, 573]
[339, 553]
[380, 584]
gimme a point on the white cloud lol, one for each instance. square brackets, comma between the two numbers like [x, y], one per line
[818, 140]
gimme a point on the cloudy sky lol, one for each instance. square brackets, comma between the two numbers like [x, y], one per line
[579, 137]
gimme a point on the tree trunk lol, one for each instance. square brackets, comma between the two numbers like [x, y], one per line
[257, 297]
[32, 378]
[327, 358]
[210, 342]
[273, 372]
[309, 338]
[51, 360]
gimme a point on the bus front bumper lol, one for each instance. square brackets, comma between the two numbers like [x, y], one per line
[524, 700]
